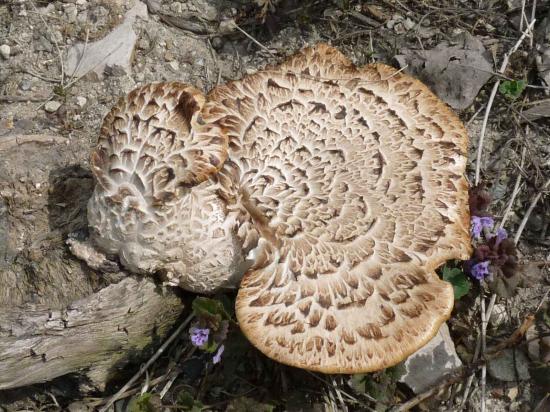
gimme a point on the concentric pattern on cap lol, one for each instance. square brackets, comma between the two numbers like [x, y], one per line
[354, 180]
[343, 185]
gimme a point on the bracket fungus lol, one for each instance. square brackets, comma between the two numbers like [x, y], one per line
[327, 193]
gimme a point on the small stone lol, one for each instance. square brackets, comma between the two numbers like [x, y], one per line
[81, 2]
[43, 44]
[408, 24]
[508, 365]
[227, 26]
[82, 16]
[25, 85]
[169, 56]
[5, 51]
[71, 12]
[176, 7]
[512, 393]
[430, 363]
[143, 44]
[52, 106]
[174, 65]
[23, 13]
[81, 101]
[217, 43]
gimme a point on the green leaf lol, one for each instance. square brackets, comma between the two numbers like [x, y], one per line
[357, 382]
[512, 89]
[142, 403]
[187, 402]
[457, 278]
[209, 307]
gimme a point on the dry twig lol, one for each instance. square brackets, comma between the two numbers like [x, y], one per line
[145, 367]
[492, 97]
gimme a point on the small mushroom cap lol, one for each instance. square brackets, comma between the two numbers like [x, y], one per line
[154, 205]
[354, 179]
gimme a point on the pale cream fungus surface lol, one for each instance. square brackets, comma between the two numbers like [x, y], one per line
[328, 194]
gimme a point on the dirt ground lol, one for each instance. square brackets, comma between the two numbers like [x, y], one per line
[208, 42]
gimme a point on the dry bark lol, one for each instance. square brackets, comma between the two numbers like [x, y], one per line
[57, 316]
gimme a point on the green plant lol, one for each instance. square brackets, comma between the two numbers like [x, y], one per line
[512, 89]
[459, 280]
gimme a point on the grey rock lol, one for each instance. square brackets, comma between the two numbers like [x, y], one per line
[25, 124]
[510, 366]
[25, 85]
[154, 6]
[455, 72]
[5, 51]
[115, 50]
[52, 106]
[71, 12]
[540, 110]
[43, 44]
[431, 363]
[81, 101]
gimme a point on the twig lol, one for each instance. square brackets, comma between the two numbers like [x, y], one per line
[471, 377]
[529, 210]
[492, 97]
[253, 39]
[483, 345]
[175, 373]
[523, 16]
[343, 406]
[516, 189]
[539, 306]
[157, 354]
[533, 11]
[475, 115]
[39, 76]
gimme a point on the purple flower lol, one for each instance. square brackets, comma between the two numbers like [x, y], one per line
[501, 235]
[199, 336]
[480, 270]
[218, 356]
[478, 223]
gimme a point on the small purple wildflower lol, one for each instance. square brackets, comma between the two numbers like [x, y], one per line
[218, 356]
[478, 223]
[481, 270]
[199, 336]
[501, 235]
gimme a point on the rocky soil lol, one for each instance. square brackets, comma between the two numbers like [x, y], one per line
[64, 63]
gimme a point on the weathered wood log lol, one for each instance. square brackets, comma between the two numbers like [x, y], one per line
[57, 316]
[93, 335]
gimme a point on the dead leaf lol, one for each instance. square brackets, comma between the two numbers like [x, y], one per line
[455, 73]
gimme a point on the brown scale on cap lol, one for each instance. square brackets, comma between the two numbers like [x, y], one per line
[336, 191]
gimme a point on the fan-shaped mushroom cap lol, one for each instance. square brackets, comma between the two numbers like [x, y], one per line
[353, 178]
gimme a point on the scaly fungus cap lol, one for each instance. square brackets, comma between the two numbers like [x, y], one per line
[357, 174]
[343, 185]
